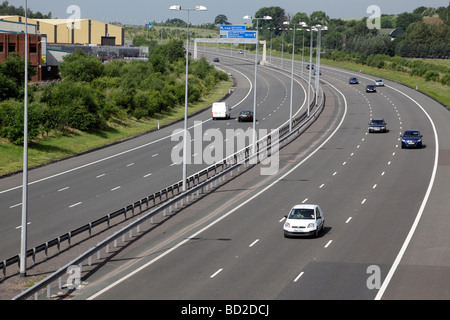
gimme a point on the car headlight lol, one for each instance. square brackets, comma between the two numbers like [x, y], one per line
[311, 225]
[287, 225]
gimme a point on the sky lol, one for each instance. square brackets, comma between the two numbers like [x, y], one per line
[139, 12]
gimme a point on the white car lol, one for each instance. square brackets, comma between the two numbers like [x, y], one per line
[304, 220]
[379, 83]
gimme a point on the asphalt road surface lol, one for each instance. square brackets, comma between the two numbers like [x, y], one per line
[386, 215]
[66, 195]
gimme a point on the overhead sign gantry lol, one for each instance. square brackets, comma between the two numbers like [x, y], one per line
[234, 34]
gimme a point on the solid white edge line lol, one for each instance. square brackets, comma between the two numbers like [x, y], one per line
[422, 206]
[130, 274]
[424, 202]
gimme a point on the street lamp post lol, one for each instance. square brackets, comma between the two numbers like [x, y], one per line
[271, 31]
[23, 245]
[256, 68]
[282, 46]
[178, 8]
[292, 71]
[318, 65]
[310, 69]
[303, 48]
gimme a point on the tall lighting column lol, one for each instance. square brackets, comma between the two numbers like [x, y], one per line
[23, 233]
[310, 69]
[178, 8]
[292, 71]
[256, 71]
[318, 65]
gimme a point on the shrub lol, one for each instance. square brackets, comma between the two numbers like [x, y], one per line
[446, 79]
[80, 66]
[12, 121]
[431, 75]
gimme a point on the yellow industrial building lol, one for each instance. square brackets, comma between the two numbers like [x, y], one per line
[75, 31]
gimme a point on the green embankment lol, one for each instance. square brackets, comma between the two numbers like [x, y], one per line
[74, 142]
[435, 90]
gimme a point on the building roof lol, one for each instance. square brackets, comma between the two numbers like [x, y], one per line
[60, 21]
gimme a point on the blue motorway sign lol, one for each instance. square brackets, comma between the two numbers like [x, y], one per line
[232, 28]
[242, 35]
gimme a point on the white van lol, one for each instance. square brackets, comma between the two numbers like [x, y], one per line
[220, 110]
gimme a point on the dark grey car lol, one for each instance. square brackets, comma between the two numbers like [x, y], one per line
[377, 125]
[371, 88]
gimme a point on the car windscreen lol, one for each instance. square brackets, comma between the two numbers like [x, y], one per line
[411, 134]
[301, 214]
[377, 122]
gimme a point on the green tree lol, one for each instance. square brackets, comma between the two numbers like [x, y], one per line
[300, 17]
[278, 17]
[319, 17]
[405, 19]
[80, 66]
[12, 77]
[174, 50]
[444, 14]
[221, 19]
[11, 121]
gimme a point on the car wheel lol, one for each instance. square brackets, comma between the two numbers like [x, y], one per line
[321, 230]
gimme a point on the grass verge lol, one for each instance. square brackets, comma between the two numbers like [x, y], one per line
[435, 90]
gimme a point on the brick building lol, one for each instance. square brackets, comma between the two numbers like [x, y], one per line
[15, 43]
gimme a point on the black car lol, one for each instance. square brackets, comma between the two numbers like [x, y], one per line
[353, 81]
[371, 88]
[216, 59]
[377, 125]
[245, 116]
